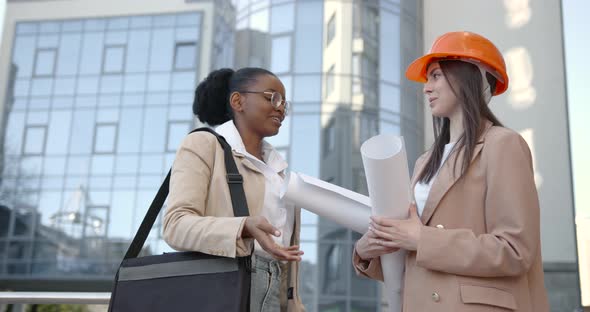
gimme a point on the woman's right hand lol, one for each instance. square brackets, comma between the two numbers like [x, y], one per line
[369, 247]
[261, 230]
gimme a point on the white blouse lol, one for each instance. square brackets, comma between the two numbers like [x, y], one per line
[273, 167]
[422, 190]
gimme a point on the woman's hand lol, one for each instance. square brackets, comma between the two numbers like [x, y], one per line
[369, 247]
[261, 230]
[392, 233]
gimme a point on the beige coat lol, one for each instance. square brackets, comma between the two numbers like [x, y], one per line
[480, 247]
[200, 216]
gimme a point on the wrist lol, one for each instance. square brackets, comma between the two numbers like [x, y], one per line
[361, 255]
[246, 229]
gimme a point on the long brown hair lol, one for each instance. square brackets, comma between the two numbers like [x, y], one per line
[466, 83]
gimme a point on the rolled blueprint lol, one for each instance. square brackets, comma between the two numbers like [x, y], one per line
[388, 180]
[345, 207]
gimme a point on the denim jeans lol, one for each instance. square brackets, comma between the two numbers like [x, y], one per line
[266, 285]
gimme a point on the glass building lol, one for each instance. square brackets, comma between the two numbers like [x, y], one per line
[95, 108]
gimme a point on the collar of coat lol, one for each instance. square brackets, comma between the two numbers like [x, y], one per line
[447, 175]
[272, 158]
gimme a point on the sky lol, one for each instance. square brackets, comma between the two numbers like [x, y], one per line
[577, 48]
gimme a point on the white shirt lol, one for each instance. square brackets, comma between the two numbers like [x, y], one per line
[422, 190]
[276, 211]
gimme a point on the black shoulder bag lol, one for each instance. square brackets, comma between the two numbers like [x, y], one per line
[184, 281]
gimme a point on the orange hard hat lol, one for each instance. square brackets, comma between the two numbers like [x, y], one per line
[463, 46]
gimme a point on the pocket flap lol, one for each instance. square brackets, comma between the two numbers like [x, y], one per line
[487, 295]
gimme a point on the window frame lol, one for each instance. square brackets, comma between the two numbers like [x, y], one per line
[36, 62]
[95, 136]
[104, 58]
[180, 44]
[331, 29]
[24, 145]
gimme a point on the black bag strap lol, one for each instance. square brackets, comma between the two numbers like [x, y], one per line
[236, 189]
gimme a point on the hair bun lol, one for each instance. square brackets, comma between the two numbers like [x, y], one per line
[211, 97]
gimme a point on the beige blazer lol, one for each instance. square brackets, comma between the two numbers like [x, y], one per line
[200, 215]
[480, 247]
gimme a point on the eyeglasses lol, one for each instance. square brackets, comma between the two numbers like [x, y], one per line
[276, 99]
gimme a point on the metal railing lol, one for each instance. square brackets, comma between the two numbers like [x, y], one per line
[8, 297]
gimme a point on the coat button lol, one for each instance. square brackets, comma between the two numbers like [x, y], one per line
[440, 226]
[435, 297]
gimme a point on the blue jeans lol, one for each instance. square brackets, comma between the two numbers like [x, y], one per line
[266, 285]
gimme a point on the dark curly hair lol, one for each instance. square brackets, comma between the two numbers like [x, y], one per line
[211, 103]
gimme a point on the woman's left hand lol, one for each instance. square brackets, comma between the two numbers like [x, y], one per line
[394, 233]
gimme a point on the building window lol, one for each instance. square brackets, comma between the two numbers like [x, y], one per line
[360, 181]
[185, 56]
[177, 130]
[105, 138]
[370, 21]
[35, 138]
[114, 59]
[281, 54]
[45, 62]
[356, 74]
[330, 138]
[331, 29]
[368, 127]
[364, 69]
[330, 81]
[365, 20]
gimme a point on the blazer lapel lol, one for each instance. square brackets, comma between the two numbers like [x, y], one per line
[448, 176]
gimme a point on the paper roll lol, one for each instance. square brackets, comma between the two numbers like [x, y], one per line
[345, 207]
[388, 181]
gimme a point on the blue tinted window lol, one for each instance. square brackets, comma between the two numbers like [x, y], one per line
[308, 40]
[69, 54]
[92, 50]
[176, 133]
[42, 87]
[114, 57]
[162, 48]
[129, 139]
[24, 55]
[81, 133]
[111, 84]
[64, 86]
[281, 54]
[135, 83]
[154, 130]
[185, 56]
[59, 132]
[105, 138]
[282, 18]
[138, 50]
[27, 28]
[188, 19]
[35, 140]
[184, 81]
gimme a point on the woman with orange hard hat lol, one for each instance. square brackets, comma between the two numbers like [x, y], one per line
[472, 236]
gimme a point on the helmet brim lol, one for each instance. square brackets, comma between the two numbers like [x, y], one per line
[417, 70]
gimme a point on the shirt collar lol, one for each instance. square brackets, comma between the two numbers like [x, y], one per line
[272, 158]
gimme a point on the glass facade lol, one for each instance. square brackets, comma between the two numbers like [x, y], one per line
[96, 111]
[97, 108]
[339, 100]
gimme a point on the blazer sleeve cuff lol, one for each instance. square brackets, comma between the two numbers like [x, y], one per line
[367, 268]
[244, 246]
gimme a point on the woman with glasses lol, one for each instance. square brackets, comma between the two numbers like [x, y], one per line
[248, 106]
